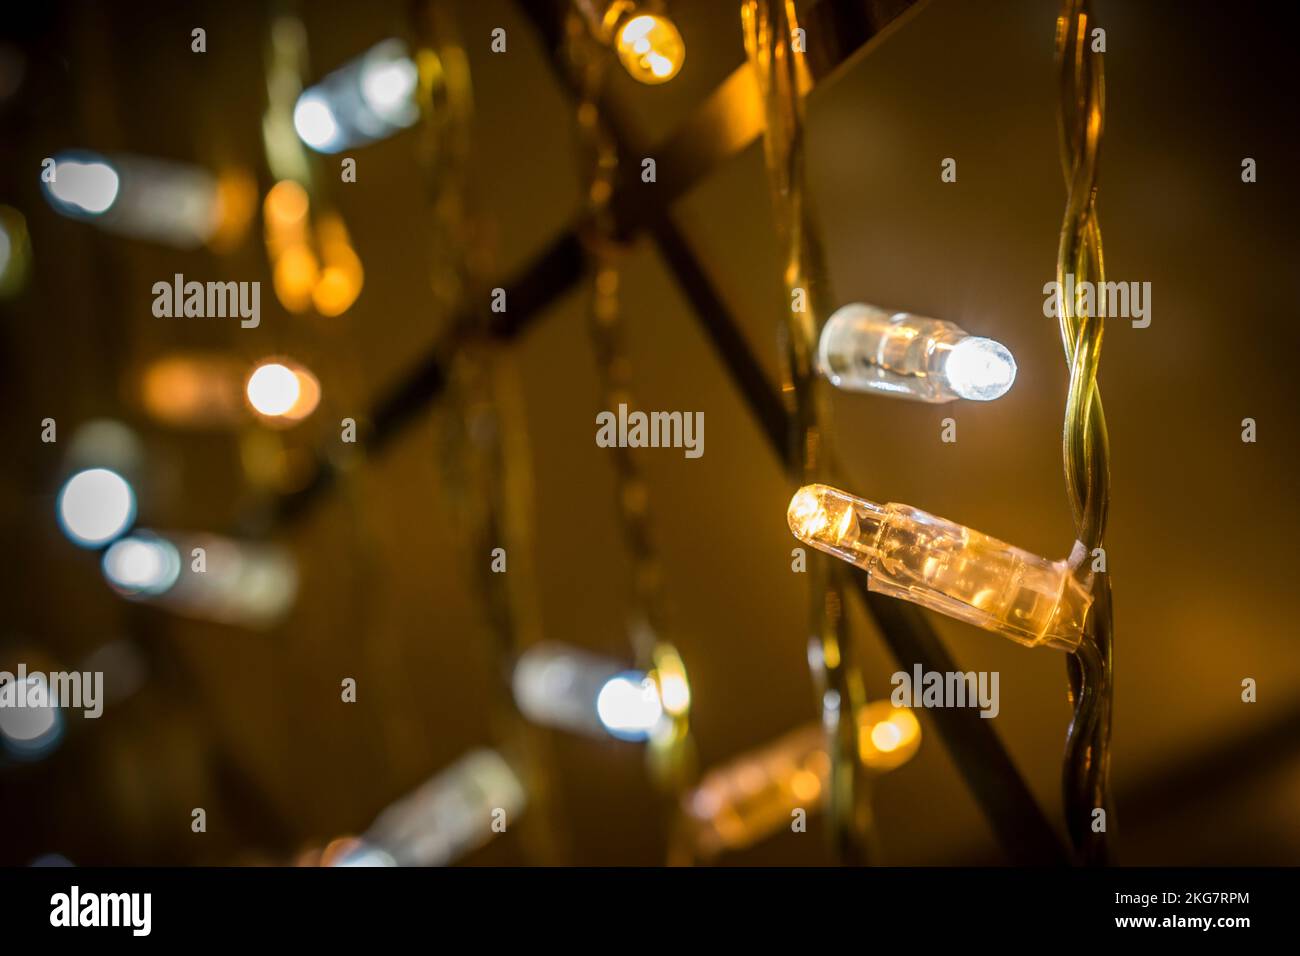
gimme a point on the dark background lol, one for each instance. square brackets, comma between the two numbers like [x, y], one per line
[250, 725]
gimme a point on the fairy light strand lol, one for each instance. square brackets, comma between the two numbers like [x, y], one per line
[486, 459]
[671, 750]
[784, 79]
[1085, 444]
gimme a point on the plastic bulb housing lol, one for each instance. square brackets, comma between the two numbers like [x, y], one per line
[863, 348]
[946, 567]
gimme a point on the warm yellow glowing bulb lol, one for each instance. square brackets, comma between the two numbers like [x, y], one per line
[651, 48]
[888, 736]
[941, 565]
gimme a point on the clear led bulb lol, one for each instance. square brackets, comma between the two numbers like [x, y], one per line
[866, 349]
[944, 566]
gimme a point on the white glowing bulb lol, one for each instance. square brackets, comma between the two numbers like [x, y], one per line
[20, 722]
[629, 706]
[142, 565]
[388, 81]
[95, 506]
[90, 186]
[866, 349]
[273, 389]
[980, 369]
[314, 121]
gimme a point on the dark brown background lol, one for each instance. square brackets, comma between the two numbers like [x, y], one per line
[250, 726]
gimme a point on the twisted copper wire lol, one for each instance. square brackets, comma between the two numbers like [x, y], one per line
[1085, 446]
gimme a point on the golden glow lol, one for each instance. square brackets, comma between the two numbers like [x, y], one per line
[650, 47]
[236, 201]
[674, 688]
[325, 274]
[806, 516]
[286, 392]
[192, 390]
[888, 736]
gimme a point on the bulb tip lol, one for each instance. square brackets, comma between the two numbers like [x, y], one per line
[981, 369]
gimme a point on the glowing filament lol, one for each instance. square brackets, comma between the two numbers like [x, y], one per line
[866, 349]
[941, 565]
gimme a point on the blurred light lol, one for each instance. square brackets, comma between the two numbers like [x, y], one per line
[176, 204]
[90, 186]
[326, 274]
[142, 564]
[15, 251]
[194, 391]
[674, 688]
[95, 506]
[273, 388]
[27, 732]
[240, 583]
[558, 686]
[650, 48]
[450, 815]
[388, 81]
[888, 736]
[315, 124]
[629, 706]
[367, 99]
[106, 443]
[754, 796]
[280, 391]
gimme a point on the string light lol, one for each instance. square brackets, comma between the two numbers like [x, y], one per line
[325, 273]
[204, 576]
[650, 48]
[941, 565]
[95, 506]
[889, 735]
[450, 815]
[28, 732]
[866, 349]
[172, 203]
[742, 802]
[141, 564]
[571, 689]
[282, 391]
[367, 99]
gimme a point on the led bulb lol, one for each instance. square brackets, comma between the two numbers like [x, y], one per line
[368, 98]
[571, 689]
[176, 204]
[450, 815]
[866, 349]
[95, 506]
[941, 565]
[744, 801]
[650, 47]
